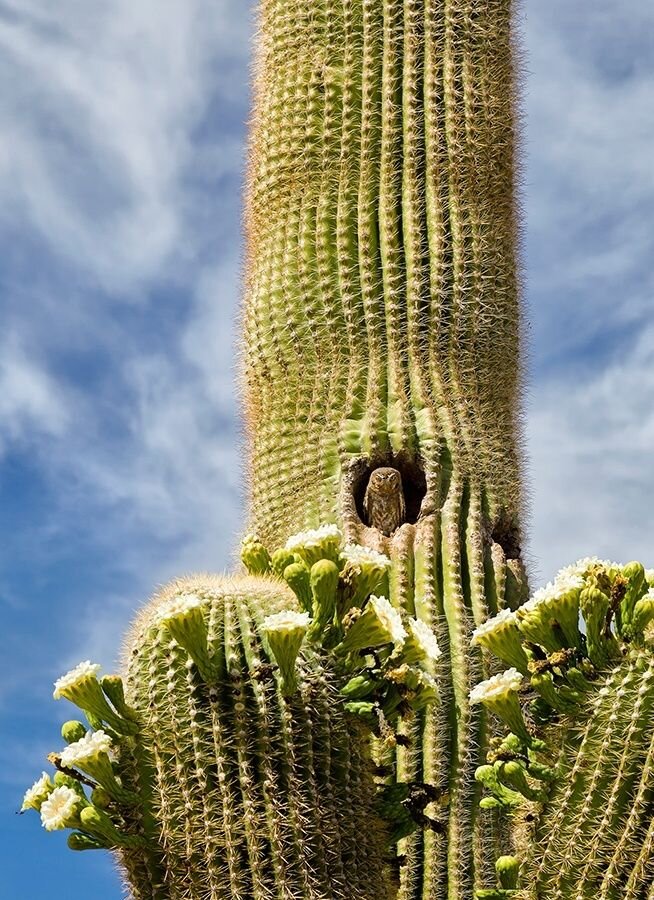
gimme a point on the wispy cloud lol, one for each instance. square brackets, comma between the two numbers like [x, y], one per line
[104, 114]
[590, 227]
[589, 175]
[30, 405]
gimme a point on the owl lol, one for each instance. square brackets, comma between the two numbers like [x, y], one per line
[383, 504]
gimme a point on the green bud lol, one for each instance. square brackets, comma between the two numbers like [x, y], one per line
[101, 798]
[602, 646]
[113, 687]
[323, 580]
[359, 687]
[298, 578]
[643, 613]
[72, 731]
[361, 708]
[281, 560]
[62, 780]
[508, 871]
[487, 776]
[512, 774]
[577, 680]
[285, 631]
[543, 682]
[79, 841]
[636, 585]
[540, 772]
[254, 556]
[98, 823]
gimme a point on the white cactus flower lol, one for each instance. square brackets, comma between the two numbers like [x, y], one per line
[424, 638]
[390, 619]
[71, 679]
[287, 620]
[60, 809]
[87, 748]
[497, 686]
[491, 626]
[360, 556]
[38, 793]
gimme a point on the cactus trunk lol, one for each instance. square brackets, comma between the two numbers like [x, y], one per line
[381, 325]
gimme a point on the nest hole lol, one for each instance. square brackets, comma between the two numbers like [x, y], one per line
[414, 483]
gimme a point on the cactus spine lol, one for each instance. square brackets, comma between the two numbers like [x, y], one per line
[381, 325]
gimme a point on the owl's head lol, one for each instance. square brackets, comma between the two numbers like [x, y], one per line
[386, 480]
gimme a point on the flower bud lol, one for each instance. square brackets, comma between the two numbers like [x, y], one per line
[254, 556]
[280, 560]
[298, 578]
[72, 731]
[508, 871]
[323, 580]
[285, 631]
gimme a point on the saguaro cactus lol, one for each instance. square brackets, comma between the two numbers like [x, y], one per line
[381, 327]
[337, 724]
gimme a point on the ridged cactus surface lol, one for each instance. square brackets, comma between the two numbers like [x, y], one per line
[256, 795]
[596, 839]
[381, 328]
[381, 314]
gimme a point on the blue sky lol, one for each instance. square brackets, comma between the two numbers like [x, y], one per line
[121, 169]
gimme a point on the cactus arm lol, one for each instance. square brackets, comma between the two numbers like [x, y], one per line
[592, 838]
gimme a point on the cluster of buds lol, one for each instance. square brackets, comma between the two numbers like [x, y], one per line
[341, 589]
[87, 762]
[394, 658]
[328, 576]
[556, 644]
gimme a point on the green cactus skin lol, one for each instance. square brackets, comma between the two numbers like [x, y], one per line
[246, 794]
[594, 838]
[381, 325]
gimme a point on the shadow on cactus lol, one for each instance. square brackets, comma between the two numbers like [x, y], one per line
[236, 761]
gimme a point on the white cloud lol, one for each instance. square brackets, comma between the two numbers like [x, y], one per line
[589, 174]
[592, 444]
[104, 102]
[31, 406]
